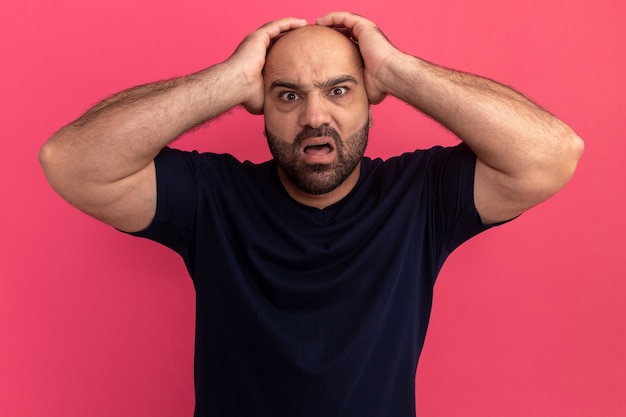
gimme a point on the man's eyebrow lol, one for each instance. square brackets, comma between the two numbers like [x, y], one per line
[326, 84]
[284, 84]
[342, 79]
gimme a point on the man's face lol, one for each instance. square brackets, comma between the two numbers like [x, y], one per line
[316, 108]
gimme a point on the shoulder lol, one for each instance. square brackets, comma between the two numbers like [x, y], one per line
[421, 163]
[200, 165]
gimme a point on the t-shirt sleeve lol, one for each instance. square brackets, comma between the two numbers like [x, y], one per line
[453, 214]
[177, 178]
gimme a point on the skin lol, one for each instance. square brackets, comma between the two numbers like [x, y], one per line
[103, 162]
[315, 94]
[524, 154]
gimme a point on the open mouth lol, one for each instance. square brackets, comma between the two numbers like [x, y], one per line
[318, 149]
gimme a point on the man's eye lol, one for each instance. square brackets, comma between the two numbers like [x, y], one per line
[289, 96]
[338, 91]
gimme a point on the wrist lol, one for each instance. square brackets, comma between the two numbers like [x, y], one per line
[244, 84]
[398, 74]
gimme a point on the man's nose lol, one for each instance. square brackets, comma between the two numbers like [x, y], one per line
[315, 112]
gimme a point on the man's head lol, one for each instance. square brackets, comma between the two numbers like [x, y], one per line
[316, 108]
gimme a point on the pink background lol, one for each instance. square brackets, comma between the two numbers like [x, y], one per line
[529, 319]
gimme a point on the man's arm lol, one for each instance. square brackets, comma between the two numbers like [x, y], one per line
[525, 155]
[103, 162]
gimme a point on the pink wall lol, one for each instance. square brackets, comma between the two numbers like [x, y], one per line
[529, 319]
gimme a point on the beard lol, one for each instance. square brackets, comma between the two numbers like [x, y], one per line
[317, 179]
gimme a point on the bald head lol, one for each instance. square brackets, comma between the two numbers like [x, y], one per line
[312, 43]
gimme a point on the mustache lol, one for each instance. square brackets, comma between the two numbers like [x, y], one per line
[317, 132]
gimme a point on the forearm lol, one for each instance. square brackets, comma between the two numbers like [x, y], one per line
[123, 134]
[524, 154]
[103, 163]
[507, 131]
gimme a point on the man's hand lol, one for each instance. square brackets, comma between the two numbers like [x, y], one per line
[525, 154]
[103, 162]
[375, 48]
[249, 58]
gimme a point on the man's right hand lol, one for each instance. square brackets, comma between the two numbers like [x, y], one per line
[103, 163]
[249, 58]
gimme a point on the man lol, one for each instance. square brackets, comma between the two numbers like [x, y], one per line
[314, 271]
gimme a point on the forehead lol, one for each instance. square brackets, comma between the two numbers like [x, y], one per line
[312, 54]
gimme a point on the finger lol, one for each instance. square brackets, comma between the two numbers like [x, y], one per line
[341, 19]
[276, 27]
[354, 23]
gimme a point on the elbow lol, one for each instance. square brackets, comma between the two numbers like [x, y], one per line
[49, 160]
[560, 163]
[573, 148]
[46, 157]
[55, 162]
[578, 146]
[46, 154]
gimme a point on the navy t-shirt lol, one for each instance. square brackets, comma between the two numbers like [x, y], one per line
[308, 312]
